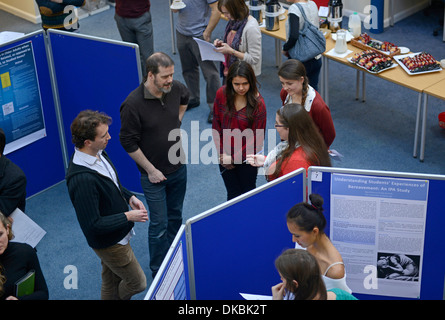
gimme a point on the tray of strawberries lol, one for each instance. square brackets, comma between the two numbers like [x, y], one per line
[365, 42]
[418, 63]
[372, 61]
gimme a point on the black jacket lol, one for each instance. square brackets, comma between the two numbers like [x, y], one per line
[12, 187]
[99, 205]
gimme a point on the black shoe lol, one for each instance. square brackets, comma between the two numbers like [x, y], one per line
[210, 117]
[192, 104]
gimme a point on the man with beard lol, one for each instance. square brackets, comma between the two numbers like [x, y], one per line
[148, 115]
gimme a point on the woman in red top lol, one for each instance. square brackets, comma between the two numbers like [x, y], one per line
[301, 147]
[239, 121]
[296, 89]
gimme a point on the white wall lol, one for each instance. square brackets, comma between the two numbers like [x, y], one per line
[402, 8]
[26, 9]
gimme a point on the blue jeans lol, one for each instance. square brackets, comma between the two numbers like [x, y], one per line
[165, 201]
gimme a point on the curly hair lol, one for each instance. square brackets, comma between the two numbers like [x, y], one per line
[84, 126]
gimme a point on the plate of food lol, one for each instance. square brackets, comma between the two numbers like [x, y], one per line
[418, 63]
[372, 61]
[364, 41]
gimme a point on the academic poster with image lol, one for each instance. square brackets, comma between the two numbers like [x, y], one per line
[21, 114]
[378, 225]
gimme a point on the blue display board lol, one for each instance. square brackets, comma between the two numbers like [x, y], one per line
[172, 280]
[97, 74]
[406, 192]
[232, 247]
[41, 160]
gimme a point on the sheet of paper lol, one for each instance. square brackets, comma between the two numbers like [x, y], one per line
[7, 36]
[25, 229]
[208, 52]
[323, 11]
[248, 296]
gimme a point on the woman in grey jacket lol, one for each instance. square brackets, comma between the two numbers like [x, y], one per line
[242, 37]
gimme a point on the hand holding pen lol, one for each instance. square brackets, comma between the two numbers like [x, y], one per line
[256, 160]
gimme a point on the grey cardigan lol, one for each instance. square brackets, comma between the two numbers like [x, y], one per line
[251, 44]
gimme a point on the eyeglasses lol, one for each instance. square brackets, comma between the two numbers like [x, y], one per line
[279, 125]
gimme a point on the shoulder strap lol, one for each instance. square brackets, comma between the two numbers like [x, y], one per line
[334, 264]
[302, 11]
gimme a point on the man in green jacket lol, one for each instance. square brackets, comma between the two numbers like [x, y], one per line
[102, 206]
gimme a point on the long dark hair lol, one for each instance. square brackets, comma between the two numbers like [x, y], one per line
[301, 266]
[293, 69]
[302, 130]
[242, 69]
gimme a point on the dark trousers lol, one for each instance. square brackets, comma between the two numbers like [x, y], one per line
[313, 68]
[239, 180]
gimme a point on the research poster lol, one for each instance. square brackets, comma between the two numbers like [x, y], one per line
[21, 116]
[378, 225]
[173, 286]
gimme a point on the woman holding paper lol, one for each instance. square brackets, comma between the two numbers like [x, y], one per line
[301, 147]
[242, 37]
[16, 261]
[239, 121]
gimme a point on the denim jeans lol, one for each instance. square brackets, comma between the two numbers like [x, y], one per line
[165, 201]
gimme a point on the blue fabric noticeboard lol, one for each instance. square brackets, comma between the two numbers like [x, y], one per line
[41, 160]
[233, 247]
[97, 74]
[433, 264]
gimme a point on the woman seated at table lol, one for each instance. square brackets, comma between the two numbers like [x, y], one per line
[301, 279]
[296, 89]
[242, 37]
[301, 147]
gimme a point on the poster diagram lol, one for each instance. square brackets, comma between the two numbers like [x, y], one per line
[21, 114]
[378, 224]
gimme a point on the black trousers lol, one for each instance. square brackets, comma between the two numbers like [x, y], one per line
[239, 180]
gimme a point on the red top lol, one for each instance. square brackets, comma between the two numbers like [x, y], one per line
[296, 161]
[132, 8]
[232, 133]
[321, 115]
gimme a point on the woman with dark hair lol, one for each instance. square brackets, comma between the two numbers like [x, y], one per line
[306, 223]
[242, 37]
[239, 120]
[301, 279]
[296, 89]
[301, 147]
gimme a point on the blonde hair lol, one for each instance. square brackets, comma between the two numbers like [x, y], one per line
[7, 224]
